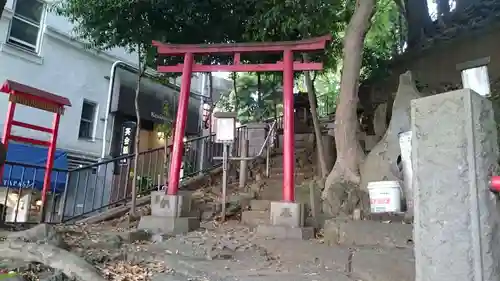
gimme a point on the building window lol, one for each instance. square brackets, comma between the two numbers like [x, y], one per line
[25, 27]
[87, 120]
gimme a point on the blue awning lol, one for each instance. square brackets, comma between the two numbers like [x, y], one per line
[30, 175]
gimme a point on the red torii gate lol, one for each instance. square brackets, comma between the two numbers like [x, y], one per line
[287, 66]
[36, 98]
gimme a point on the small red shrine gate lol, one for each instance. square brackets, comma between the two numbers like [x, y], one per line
[36, 98]
[287, 66]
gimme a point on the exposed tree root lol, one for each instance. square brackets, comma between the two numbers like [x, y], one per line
[68, 263]
[43, 244]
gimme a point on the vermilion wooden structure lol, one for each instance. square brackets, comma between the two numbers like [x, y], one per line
[287, 66]
[36, 98]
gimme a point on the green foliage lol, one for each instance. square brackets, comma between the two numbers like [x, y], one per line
[299, 19]
[327, 87]
[246, 97]
[166, 127]
[106, 24]
[382, 41]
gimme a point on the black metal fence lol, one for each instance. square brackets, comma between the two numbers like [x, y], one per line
[84, 191]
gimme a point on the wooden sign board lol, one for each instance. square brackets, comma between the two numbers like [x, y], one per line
[36, 103]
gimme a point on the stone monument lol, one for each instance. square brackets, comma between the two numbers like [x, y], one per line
[454, 154]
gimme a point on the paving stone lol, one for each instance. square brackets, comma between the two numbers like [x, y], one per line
[254, 218]
[260, 205]
[168, 225]
[138, 235]
[384, 264]
[368, 233]
[284, 232]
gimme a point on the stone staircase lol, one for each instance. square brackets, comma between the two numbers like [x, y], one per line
[381, 230]
[270, 189]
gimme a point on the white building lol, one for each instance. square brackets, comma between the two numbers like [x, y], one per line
[36, 49]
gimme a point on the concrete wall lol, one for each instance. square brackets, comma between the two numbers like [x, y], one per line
[437, 67]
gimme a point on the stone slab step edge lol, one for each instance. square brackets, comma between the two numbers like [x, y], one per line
[368, 233]
[254, 218]
[260, 205]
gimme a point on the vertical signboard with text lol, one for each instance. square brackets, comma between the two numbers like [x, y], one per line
[127, 141]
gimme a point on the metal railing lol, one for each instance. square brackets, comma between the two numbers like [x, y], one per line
[84, 191]
[20, 194]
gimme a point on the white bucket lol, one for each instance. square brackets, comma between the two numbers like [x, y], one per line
[385, 196]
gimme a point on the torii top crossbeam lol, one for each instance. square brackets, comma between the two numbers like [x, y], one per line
[312, 44]
[236, 49]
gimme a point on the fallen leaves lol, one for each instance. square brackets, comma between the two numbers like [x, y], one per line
[125, 271]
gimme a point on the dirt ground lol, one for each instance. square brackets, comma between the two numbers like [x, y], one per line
[220, 253]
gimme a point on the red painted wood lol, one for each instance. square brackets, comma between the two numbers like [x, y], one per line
[495, 183]
[12, 87]
[180, 126]
[29, 140]
[266, 67]
[32, 127]
[7, 129]
[50, 161]
[312, 44]
[289, 130]
[287, 67]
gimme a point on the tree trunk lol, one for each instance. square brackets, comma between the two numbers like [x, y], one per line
[311, 94]
[235, 89]
[345, 173]
[166, 157]
[417, 17]
[135, 183]
[259, 97]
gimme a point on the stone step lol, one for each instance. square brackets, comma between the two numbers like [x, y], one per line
[368, 233]
[254, 218]
[260, 205]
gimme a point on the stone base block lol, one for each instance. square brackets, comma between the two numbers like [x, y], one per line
[163, 205]
[168, 225]
[284, 232]
[287, 214]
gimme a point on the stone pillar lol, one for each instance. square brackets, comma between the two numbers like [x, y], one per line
[170, 214]
[454, 152]
[243, 164]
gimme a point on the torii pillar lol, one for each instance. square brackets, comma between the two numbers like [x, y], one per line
[285, 214]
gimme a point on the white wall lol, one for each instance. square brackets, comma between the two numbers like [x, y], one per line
[63, 67]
